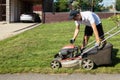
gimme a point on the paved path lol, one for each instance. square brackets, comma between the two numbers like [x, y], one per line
[8, 30]
[31, 76]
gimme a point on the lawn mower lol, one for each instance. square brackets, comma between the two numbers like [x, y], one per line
[91, 56]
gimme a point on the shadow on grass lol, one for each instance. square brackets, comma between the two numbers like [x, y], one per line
[115, 59]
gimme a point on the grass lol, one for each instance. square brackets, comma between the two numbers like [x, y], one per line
[33, 50]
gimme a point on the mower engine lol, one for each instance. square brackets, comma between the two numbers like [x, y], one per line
[68, 51]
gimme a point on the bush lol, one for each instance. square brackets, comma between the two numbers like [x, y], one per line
[115, 18]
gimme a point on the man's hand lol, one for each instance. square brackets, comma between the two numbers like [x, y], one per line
[100, 45]
[72, 41]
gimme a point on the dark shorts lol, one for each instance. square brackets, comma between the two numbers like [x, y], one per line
[89, 31]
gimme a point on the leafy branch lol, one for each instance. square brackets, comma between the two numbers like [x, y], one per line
[115, 18]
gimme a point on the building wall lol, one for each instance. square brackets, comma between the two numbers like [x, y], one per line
[12, 10]
[15, 10]
[2, 10]
[8, 11]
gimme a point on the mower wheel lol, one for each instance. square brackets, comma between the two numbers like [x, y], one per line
[55, 64]
[87, 64]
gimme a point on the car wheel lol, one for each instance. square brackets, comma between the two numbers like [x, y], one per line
[55, 64]
[87, 64]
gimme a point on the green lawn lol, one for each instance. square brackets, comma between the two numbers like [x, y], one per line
[33, 50]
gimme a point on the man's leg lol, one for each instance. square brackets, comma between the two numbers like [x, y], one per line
[87, 33]
[100, 31]
[85, 41]
[101, 35]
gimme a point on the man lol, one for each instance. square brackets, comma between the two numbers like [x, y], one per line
[92, 23]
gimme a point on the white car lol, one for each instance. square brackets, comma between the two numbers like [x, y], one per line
[29, 17]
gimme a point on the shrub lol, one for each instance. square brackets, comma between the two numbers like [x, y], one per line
[115, 18]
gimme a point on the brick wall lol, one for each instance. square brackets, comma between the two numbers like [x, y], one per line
[57, 17]
[104, 15]
[63, 16]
